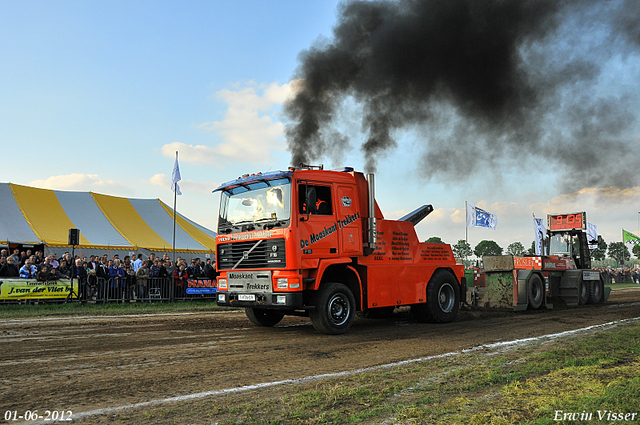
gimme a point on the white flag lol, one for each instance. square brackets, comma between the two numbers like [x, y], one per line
[477, 217]
[539, 231]
[592, 235]
[175, 177]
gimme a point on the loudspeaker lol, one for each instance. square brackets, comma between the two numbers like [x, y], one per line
[74, 237]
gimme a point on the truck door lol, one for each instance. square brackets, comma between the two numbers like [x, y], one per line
[348, 218]
[320, 232]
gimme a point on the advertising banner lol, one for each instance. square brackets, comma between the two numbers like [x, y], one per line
[31, 289]
[201, 286]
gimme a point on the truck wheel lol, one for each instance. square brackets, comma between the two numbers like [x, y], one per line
[263, 317]
[596, 291]
[583, 292]
[334, 310]
[535, 291]
[442, 299]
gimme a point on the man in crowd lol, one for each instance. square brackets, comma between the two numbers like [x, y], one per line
[81, 275]
[8, 268]
[16, 256]
[138, 263]
[209, 270]
[39, 258]
[28, 271]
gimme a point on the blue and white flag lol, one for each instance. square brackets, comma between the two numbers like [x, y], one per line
[477, 217]
[539, 231]
[592, 235]
[175, 177]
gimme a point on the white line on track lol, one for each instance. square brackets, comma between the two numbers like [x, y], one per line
[306, 379]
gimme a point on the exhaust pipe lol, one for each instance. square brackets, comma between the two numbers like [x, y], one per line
[373, 234]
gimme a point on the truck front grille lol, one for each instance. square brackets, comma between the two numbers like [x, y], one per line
[262, 254]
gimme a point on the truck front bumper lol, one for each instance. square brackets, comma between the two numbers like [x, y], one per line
[276, 300]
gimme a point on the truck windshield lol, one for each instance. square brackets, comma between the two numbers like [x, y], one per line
[262, 204]
[560, 245]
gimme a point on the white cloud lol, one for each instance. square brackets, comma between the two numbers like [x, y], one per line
[249, 130]
[83, 182]
[186, 186]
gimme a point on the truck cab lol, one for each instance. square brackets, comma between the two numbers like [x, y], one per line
[313, 242]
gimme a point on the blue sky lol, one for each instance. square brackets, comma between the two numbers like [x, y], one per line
[99, 95]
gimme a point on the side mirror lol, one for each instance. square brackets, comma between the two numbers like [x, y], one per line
[308, 201]
[311, 200]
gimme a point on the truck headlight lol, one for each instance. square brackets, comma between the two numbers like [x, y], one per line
[281, 283]
[281, 299]
[222, 284]
[222, 298]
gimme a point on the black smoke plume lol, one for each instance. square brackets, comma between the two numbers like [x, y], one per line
[493, 81]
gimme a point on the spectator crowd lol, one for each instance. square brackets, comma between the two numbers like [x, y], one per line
[127, 277]
[620, 275]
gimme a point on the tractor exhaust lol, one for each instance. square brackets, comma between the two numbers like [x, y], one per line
[373, 234]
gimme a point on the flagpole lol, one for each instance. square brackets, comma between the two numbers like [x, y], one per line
[466, 225]
[175, 198]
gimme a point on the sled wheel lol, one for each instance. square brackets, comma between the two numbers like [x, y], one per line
[334, 310]
[596, 291]
[263, 317]
[583, 292]
[535, 291]
[442, 299]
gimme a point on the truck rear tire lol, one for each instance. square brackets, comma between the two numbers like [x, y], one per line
[535, 290]
[596, 291]
[335, 308]
[442, 299]
[263, 317]
[583, 292]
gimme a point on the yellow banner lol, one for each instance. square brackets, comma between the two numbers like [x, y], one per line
[30, 289]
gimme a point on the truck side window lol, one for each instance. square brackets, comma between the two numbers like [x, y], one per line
[322, 205]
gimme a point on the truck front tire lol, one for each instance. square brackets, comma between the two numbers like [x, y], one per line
[442, 299]
[263, 317]
[335, 308]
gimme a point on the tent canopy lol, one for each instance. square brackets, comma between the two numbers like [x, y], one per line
[34, 216]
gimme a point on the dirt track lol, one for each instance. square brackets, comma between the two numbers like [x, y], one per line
[82, 364]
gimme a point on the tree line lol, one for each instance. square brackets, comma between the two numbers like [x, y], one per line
[462, 249]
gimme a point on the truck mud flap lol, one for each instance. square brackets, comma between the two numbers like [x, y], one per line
[607, 292]
[570, 287]
[520, 290]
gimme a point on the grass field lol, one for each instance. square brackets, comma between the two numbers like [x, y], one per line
[585, 379]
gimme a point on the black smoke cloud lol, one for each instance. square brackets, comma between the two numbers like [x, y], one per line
[500, 82]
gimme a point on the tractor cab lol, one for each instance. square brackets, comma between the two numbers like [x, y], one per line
[572, 244]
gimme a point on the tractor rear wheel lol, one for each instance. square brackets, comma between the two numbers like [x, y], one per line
[583, 292]
[596, 291]
[535, 291]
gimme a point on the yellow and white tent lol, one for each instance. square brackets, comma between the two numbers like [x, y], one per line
[41, 216]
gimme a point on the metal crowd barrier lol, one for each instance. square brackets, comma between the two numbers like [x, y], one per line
[128, 289]
[153, 290]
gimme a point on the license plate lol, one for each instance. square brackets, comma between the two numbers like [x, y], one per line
[246, 297]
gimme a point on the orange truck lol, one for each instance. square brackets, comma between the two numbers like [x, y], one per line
[565, 275]
[313, 242]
